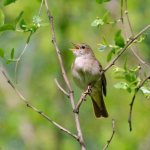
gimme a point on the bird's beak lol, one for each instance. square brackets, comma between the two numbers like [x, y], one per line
[76, 46]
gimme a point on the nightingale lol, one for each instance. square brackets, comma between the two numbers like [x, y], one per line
[86, 70]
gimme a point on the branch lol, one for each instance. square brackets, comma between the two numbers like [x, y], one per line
[60, 87]
[125, 47]
[132, 34]
[82, 98]
[112, 135]
[132, 102]
[71, 96]
[36, 110]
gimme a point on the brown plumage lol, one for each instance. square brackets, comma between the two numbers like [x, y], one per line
[86, 71]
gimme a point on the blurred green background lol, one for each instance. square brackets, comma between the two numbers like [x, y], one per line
[23, 129]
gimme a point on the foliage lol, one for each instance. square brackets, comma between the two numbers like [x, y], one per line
[38, 67]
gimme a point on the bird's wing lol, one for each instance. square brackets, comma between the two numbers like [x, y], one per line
[104, 84]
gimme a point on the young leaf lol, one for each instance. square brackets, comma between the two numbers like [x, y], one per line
[7, 2]
[110, 54]
[12, 53]
[97, 22]
[119, 40]
[102, 1]
[121, 85]
[1, 53]
[1, 17]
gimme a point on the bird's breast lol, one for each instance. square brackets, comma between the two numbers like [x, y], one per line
[85, 71]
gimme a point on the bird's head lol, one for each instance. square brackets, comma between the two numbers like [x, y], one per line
[81, 49]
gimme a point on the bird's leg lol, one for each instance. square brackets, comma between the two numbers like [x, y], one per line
[83, 98]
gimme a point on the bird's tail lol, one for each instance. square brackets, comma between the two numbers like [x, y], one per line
[99, 108]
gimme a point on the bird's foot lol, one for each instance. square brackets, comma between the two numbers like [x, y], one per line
[76, 110]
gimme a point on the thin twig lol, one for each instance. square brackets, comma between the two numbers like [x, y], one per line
[125, 47]
[61, 88]
[26, 45]
[132, 102]
[42, 2]
[36, 110]
[19, 58]
[112, 135]
[71, 96]
[82, 98]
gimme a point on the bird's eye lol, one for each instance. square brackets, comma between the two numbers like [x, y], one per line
[83, 47]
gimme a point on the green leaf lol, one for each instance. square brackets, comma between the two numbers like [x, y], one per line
[97, 22]
[22, 24]
[1, 17]
[102, 1]
[105, 17]
[121, 85]
[18, 17]
[1, 53]
[7, 2]
[111, 53]
[7, 27]
[145, 90]
[119, 40]
[12, 53]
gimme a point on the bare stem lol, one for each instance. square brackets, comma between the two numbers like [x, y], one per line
[71, 96]
[37, 110]
[132, 102]
[112, 135]
[61, 88]
[19, 58]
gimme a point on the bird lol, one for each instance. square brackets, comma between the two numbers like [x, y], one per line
[86, 70]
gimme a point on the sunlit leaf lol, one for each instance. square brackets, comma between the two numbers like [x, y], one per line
[102, 1]
[1, 17]
[97, 22]
[119, 40]
[145, 90]
[1, 53]
[121, 85]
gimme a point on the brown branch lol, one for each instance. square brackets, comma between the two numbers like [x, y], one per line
[112, 135]
[132, 102]
[125, 47]
[132, 34]
[82, 98]
[71, 96]
[61, 88]
[37, 110]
